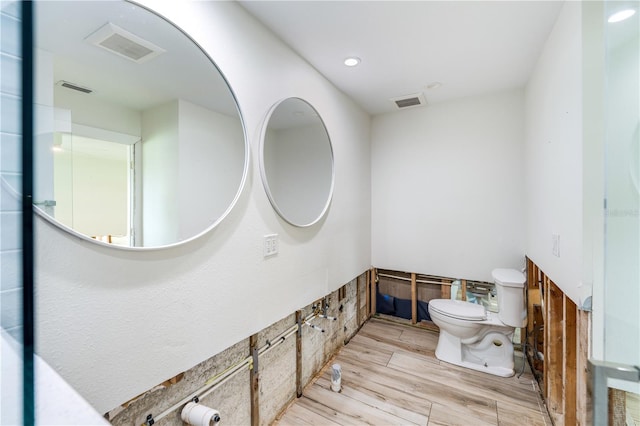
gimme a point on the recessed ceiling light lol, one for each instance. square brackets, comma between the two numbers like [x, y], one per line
[434, 85]
[352, 61]
[621, 15]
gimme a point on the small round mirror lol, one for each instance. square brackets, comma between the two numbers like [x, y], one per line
[296, 162]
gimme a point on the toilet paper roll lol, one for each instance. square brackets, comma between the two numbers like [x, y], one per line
[199, 415]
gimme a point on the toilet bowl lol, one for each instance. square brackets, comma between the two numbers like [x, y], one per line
[472, 337]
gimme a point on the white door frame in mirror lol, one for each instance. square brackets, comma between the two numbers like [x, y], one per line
[297, 162]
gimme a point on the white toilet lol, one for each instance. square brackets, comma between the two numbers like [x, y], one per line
[472, 337]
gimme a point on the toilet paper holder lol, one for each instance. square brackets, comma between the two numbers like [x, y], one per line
[150, 420]
[194, 413]
[196, 400]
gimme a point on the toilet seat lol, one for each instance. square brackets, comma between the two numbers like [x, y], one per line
[459, 309]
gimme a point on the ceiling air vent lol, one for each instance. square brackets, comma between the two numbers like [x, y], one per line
[74, 86]
[124, 44]
[409, 101]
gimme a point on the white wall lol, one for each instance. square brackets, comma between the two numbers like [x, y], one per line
[94, 112]
[554, 156]
[160, 175]
[447, 187]
[211, 159]
[192, 164]
[116, 323]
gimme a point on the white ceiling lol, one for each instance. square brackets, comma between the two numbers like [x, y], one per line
[62, 28]
[471, 47]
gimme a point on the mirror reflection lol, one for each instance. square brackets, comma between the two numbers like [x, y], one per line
[297, 162]
[139, 139]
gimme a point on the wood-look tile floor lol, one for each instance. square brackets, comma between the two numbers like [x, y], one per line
[390, 376]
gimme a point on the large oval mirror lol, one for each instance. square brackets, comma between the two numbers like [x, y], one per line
[139, 140]
[296, 162]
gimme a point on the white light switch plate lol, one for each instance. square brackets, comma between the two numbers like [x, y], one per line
[270, 245]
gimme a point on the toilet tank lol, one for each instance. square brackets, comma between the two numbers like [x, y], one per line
[510, 287]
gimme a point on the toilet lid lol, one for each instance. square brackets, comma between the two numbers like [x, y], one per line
[459, 309]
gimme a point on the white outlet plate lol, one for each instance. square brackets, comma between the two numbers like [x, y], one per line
[270, 246]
